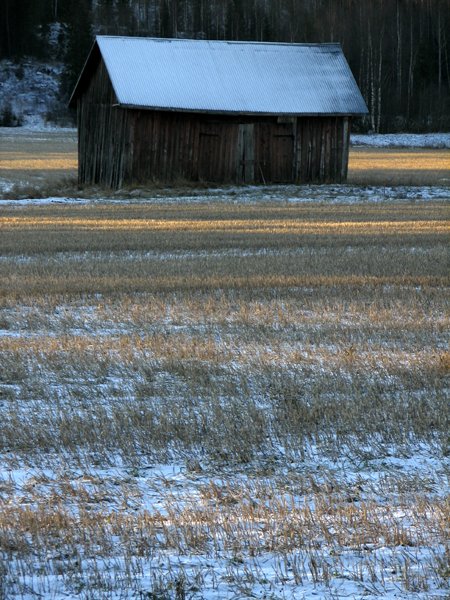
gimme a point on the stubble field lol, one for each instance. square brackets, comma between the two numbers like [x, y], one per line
[229, 394]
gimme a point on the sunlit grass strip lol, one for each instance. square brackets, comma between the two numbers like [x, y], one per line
[232, 517]
[192, 213]
[241, 349]
[43, 164]
[366, 160]
[232, 226]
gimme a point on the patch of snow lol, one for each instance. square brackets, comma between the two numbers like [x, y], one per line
[402, 140]
[43, 201]
[66, 134]
[5, 186]
[328, 194]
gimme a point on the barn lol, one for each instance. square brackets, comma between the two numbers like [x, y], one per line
[169, 110]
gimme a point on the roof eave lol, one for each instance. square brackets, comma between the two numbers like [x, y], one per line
[239, 112]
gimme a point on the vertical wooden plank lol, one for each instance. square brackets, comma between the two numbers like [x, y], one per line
[333, 149]
[186, 148]
[155, 141]
[303, 175]
[191, 165]
[345, 149]
[318, 148]
[259, 176]
[246, 153]
[182, 145]
[327, 150]
[309, 152]
[149, 143]
[250, 153]
[163, 148]
[337, 172]
[321, 125]
[239, 155]
[175, 134]
[195, 168]
[312, 149]
[297, 151]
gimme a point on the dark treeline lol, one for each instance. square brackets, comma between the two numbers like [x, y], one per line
[399, 50]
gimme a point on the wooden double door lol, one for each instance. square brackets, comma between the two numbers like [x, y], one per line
[261, 152]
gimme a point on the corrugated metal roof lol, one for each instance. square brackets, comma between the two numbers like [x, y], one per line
[229, 77]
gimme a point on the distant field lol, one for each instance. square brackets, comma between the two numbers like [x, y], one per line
[229, 399]
[399, 166]
[45, 160]
[37, 160]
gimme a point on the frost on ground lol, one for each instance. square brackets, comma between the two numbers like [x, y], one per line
[232, 395]
[5, 186]
[402, 140]
[305, 194]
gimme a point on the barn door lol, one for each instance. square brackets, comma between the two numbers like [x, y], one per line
[209, 155]
[246, 153]
[282, 153]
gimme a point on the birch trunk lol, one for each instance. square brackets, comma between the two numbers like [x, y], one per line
[410, 68]
[439, 51]
[399, 54]
[379, 83]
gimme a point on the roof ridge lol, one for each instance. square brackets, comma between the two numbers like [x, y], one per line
[248, 42]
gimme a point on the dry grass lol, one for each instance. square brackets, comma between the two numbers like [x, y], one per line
[52, 162]
[31, 161]
[375, 166]
[291, 358]
[143, 227]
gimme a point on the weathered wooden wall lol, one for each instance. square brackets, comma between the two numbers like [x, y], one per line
[242, 149]
[103, 134]
[119, 146]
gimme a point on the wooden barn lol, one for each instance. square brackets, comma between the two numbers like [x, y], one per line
[232, 112]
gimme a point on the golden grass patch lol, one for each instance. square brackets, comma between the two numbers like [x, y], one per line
[400, 160]
[242, 226]
[399, 166]
[52, 162]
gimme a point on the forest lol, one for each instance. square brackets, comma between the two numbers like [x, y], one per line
[398, 50]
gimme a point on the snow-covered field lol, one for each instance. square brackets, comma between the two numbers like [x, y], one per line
[236, 393]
